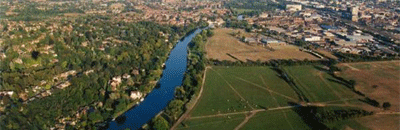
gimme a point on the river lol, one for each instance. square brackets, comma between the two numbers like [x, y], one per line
[159, 98]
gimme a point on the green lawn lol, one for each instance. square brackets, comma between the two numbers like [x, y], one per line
[214, 123]
[237, 89]
[218, 97]
[276, 120]
[253, 84]
[340, 125]
[317, 85]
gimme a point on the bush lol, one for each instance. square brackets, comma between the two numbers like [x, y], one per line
[386, 105]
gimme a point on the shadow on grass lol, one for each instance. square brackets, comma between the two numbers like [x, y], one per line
[347, 85]
[233, 57]
[339, 82]
[307, 115]
[283, 75]
[369, 101]
[263, 107]
[321, 69]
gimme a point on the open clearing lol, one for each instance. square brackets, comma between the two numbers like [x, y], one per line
[223, 44]
[257, 98]
[386, 76]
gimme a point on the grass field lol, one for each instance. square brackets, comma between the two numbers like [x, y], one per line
[222, 44]
[386, 76]
[257, 98]
[217, 123]
[318, 85]
[276, 120]
[326, 53]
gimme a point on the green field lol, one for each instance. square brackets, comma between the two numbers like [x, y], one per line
[273, 120]
[216, 123]
[318, 85]
[258, 98]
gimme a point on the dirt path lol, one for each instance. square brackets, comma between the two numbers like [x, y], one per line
[277, 103]
[388, 113]
[351, 67]
[331, 88]
[186, 114]
[237, 93]
[256, 85]
[246, 119]
[227, 114]
[243, 112]
[344, 99]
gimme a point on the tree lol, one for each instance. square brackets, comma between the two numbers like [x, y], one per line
[95, 116]
[352, 84]
[35, 54]
[174, 108]
[159, 123]
[210, 33]
[243, 39]
[386, 105]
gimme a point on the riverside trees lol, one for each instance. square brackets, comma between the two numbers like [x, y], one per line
[192, 79]
[97, 49]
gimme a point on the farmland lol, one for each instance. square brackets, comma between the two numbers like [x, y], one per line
[224, 46]
[258, 98]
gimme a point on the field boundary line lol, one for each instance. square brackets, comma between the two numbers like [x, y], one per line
[333, 90]
[388, 113]
[184, 115]
[300, 84]
[244, 112]
[351, 67]
[227, 114]
[345, 99]
[276, 101]
[215, 122]
[267, 89]
[233, 89]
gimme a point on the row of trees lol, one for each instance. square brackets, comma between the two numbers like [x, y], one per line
[347, 57]
[326, 115]
[284, 62]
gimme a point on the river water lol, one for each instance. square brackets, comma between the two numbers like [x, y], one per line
[159, 98]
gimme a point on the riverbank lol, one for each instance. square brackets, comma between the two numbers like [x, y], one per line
[134, 104]
[192, 103]
[186, 95]
[158, 98]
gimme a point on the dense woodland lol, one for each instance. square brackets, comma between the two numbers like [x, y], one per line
[31, 13]
[112, 49]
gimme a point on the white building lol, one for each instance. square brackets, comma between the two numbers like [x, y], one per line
[312, 38]
[136, 95]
